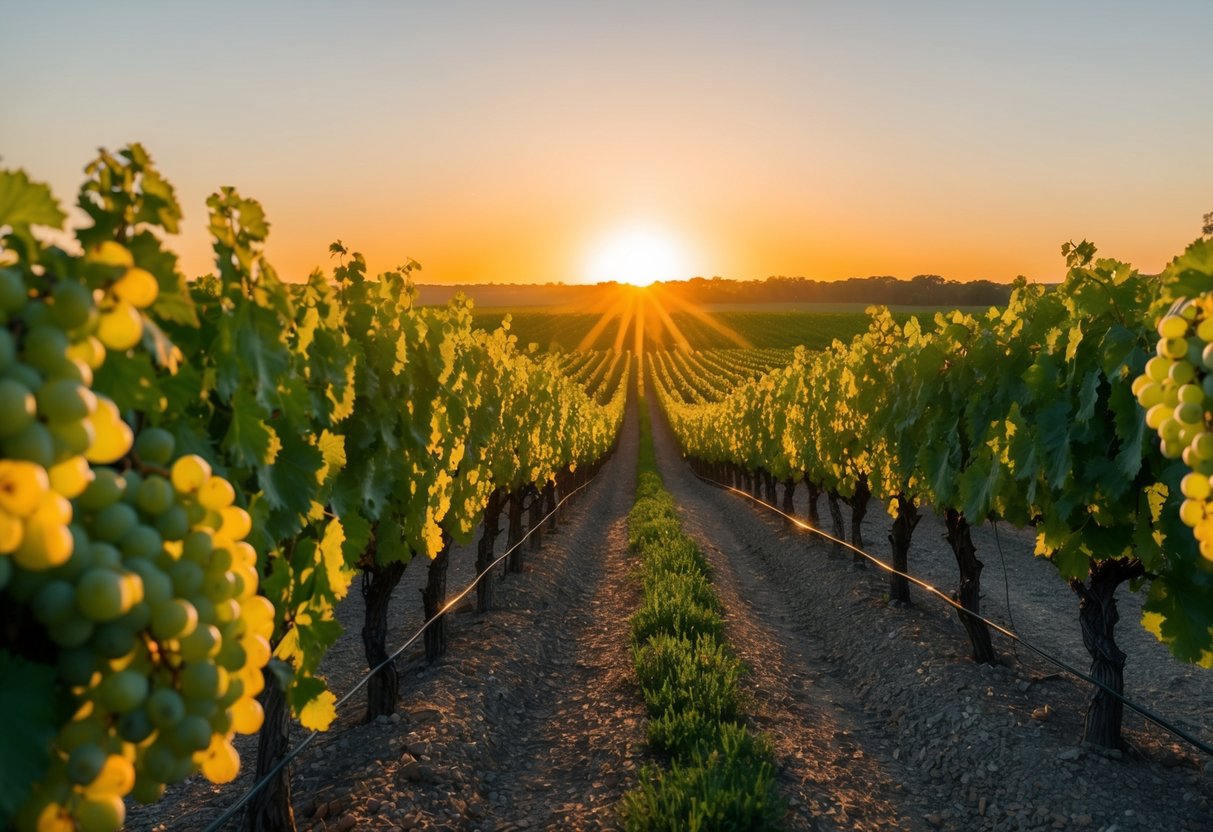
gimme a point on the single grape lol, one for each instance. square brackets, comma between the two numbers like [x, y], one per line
[71, 477]
[136, 726]
[55, 601]
[1192, 512]
[1182, 373]
[64, 400]
[23, 487]
[200, 680]
[156, 495]
[100, 813]
[1172, 326]
[85, 762]
[247, 716]
[45, 347]
[165, 708]
[113, 436]
[44, 545]
[142, 542]
[123, 691]
[174, 619]
[189, 473]
[105, 489]
[111, 254]
[1195, 486]
[114, 639]
[203, 643]
[18, 407]
[155, 446]
[137, 287]
[13, 292]
[71, 304]
[221, 763]
[147, 790]
[33, 444]
[114, 522]
[1158, 368]
[121, 327]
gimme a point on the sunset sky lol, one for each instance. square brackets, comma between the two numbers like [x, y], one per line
[512, 141]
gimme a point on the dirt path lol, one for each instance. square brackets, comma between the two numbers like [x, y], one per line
[879, 717]
[531, 721]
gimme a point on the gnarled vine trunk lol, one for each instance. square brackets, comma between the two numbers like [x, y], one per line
[789, 488]
[832, 502]
[433, 598]
[899, 541]
[814, 499]
[1098, 615]
[269, 810]
[484, 552]
[515, 561]
[859, 509]
[968, 592]
[549, 503]
[534, 519]
[378, 584]
[768, 480]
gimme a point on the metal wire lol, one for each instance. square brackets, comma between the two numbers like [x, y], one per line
[1158, 720]
[298, 749]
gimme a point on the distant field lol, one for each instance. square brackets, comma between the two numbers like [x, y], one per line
[776, 306]
[774, 328]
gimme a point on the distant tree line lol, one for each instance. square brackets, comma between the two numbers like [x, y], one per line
[921, 290]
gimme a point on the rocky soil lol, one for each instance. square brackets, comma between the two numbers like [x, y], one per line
[951, 744]
[878, 717]
[531, 721]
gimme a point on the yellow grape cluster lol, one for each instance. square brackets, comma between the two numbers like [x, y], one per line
[133, 564]
[1176, 391]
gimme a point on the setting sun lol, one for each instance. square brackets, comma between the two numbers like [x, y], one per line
[639, 255]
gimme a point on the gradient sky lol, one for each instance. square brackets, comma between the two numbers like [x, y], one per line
[498, 141]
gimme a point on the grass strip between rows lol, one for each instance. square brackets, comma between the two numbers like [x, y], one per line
[720, 775]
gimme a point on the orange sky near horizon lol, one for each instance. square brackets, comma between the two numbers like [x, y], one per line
[502, 145]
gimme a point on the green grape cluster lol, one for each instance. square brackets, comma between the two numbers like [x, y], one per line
[1176, 391]
[133, 563]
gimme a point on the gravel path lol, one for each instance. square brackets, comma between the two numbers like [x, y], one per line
[532, 720]
[934, 741]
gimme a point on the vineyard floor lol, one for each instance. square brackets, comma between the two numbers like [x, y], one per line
[532, 720]
[879, 721]
[860, 697]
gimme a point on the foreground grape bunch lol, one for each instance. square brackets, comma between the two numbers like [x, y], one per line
[132, 560]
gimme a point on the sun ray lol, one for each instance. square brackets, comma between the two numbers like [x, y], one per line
[705, 317]
[625, 320]
[639, 340]
[663, 317]
[611, 312]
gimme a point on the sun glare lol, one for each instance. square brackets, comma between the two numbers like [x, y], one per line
[639, 255]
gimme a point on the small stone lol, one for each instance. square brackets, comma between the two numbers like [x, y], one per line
[410, 769]
[423, 715]
[981, 807]
[1084, 820]
[1070, 754]
[934, 820]
[417, 749]
[346, 823]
